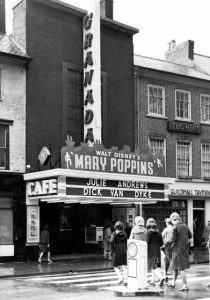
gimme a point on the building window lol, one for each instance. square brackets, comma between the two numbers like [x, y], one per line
[184, 159]
[4, 145]
[183, 104]
[205, 157]
[156, 100]
[157, 145]
[205, 108]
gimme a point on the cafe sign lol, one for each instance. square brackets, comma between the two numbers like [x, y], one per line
[42, 187]
[98, 159]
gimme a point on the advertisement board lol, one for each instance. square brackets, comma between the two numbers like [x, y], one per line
[33, 224]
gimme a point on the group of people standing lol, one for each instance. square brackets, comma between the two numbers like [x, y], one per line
[172, 244]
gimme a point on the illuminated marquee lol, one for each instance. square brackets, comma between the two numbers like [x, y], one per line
[98, 159]
[92, 74]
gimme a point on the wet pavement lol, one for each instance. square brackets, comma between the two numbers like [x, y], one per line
[75, 263]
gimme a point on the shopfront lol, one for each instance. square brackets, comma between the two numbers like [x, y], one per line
[193, 198]
[92, 185]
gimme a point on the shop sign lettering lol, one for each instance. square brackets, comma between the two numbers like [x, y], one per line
[42, 187]
[96, 158]
[190, 192]
[184, 127]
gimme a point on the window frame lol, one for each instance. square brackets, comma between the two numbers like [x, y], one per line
[204, 95]
[160, 139]
[6, 127]
[163, 102]
[202, 172]
[189, 111]
[190, 163]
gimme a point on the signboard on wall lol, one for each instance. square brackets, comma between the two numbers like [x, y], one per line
[92, 73]
[44, 187]
[33, 224]
[187, 127]
[98, 159]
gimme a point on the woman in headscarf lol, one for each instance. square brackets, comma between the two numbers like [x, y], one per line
[180, 250]
[138, 232]
[119, 247]
[154, 241]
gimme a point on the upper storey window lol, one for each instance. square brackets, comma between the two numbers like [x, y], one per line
[183, 104]
[4, 151]
[205, 108]
[156, 100]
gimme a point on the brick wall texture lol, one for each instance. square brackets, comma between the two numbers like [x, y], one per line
[13, 108]
[157, 127]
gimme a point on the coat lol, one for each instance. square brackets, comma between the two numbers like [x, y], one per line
[180, 246]
[155, 241]
[138, 233]
[107, 238]
[119, 247]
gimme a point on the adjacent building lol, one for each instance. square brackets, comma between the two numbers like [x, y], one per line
[13, 62]
[173, 117]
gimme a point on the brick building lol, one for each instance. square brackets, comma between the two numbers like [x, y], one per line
[172, 116]
[13, 61]
[54, 36]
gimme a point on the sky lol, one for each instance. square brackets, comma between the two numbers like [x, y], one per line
[158, 21]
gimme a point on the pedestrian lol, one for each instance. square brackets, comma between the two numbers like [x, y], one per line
[167, 234]
[108, 229]
[180, 250]
[119, 247]
[206, 232]
[45, 244]
[138, 232]
[154, 241]
[127, 229]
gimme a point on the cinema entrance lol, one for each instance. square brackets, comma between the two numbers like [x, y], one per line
[93, 185]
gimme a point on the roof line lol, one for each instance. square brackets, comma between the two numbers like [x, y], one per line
[172, 73]
[169, 62]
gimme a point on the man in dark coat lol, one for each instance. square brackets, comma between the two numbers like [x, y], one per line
[180, 250]
[45, 244]
[119, 247]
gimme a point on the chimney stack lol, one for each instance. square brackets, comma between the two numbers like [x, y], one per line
[106, 8]
[2, 17]
[181, 54]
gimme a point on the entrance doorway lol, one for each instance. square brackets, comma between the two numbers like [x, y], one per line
[198, 226]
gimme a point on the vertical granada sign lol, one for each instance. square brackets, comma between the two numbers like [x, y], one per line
[92, 74]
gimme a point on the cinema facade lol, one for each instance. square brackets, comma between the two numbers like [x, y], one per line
[93, 184]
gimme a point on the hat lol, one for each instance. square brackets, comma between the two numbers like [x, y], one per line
[151, 222]
[119, 225]
[174, 217]
[139, 221]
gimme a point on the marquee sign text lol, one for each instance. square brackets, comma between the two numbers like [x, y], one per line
[101, 188]
[98, 159]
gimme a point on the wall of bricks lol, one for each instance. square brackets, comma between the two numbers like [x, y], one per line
[147, 126]
[13, 108]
